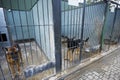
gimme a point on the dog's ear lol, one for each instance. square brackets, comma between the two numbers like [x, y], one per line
[6, 49]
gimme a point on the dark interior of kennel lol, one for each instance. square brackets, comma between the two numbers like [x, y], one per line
[3, 37]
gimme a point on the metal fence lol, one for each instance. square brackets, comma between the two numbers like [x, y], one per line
[111, 35]
[30, 25]
[94, 28]
[54, 35]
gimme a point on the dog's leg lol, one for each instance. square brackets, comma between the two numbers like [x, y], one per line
[18, 62]
[67, 56]
[12, 69]
[11, 65]
[70, 55]
[20, 56]
[18, 66]
[77, 51]
[71, 58]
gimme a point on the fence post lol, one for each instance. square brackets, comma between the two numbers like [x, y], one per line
[82, 30]
[114, 19]
[56, 5]
[104, 24]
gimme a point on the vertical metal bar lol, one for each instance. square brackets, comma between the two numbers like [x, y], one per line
[22, 31]
[71, 12]
[13, 20]
[92, 16]
[71, 23]
[44, 25]
[63, 13]
[75, 32]
[102, 11]
[57, 33]
[74, 21]
[19, 17]
[39, 25]
[28, 31]
[117, 23]
[94, 41]
[119, 29]
[68, 25]
[77, 23]
[48, 26]
[34, 28]
[79, 26]
[82, 29]
[113, 26]
[104, 24]
[2, 72]
[71, 31]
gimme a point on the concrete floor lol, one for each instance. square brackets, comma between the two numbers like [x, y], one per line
[33, 53]
[107, 68]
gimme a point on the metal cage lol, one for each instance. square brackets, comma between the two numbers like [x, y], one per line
[54, 36]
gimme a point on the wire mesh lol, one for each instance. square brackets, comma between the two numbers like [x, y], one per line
[71, 32]
[33, 31]
[111, 39]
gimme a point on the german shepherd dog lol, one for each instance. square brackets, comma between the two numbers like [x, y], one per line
[14, 56]
[73, 45]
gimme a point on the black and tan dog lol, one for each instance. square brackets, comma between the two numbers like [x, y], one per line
[14, 56]
[73, 45]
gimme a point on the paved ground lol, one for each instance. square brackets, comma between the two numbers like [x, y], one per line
[107, 68]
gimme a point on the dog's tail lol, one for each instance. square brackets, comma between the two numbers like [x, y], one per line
[87, 39]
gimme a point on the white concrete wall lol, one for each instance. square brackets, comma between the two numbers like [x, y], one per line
[44, 32]
[15, 22]
[3, 29]
[2, 19]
